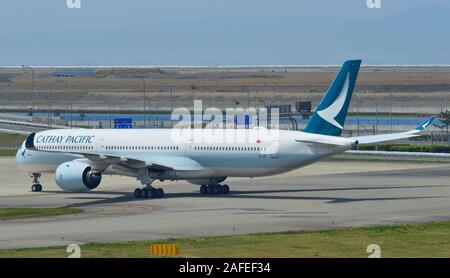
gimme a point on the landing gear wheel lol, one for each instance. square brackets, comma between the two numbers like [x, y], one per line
[145, 193]
[153, 193]
[36, 188]
[159, 193]
[204, 189]
[137, 193]
[225, 189]
[148, 193]
[217, 189]
[214, 189]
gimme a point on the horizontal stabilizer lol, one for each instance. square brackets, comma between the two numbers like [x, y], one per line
[393, 136]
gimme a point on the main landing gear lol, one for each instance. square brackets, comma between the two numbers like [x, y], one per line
[149, 192]
[36, 186]
[214, 189]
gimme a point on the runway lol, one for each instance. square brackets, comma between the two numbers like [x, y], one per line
[323, 195]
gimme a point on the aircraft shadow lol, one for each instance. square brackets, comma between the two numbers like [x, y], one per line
[249, 194]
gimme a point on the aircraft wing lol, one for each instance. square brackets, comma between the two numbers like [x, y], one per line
[392, 136]
[338, 141]
[174, 163]
[158, 163]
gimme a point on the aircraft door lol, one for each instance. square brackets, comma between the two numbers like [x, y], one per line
[188, 148]
[269, 150]
[100, 145]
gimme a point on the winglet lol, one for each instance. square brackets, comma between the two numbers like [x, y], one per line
[426, 124]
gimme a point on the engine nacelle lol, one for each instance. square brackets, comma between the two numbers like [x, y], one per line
[76, 176]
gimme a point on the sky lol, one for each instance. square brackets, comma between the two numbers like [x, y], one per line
[226, 32]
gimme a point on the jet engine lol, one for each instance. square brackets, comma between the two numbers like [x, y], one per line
[77, 176]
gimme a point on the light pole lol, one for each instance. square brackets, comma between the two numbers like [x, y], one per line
[259, 109]
[50, 105]
[110, 117]
[145, 105]
[257, 95]
[33, 88]
[48, 98]
[67, 92]
[71, 111]
[245, 89]
[274, 93]
[261, 101]
[171, 94]
[357, 112]
[156, 109]
[390, 107]
[376, 117]
[171, 100]
[209, 92]
[216, 89]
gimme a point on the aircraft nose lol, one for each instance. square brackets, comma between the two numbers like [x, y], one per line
[20, 155]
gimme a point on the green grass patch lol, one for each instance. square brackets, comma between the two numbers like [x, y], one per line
[8, 152]
[11, 139]
[413, 240]
[16, 213]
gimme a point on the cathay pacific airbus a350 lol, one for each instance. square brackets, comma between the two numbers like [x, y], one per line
[79, 157]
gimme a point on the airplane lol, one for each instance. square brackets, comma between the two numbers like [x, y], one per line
[80, 157]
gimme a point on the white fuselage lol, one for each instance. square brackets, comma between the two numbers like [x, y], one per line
[220, 153]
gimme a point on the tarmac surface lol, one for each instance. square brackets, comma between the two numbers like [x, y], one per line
[323, 195]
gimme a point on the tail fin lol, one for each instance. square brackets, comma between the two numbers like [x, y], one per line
[329, 117]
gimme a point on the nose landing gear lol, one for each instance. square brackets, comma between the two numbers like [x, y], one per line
[36, 186]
